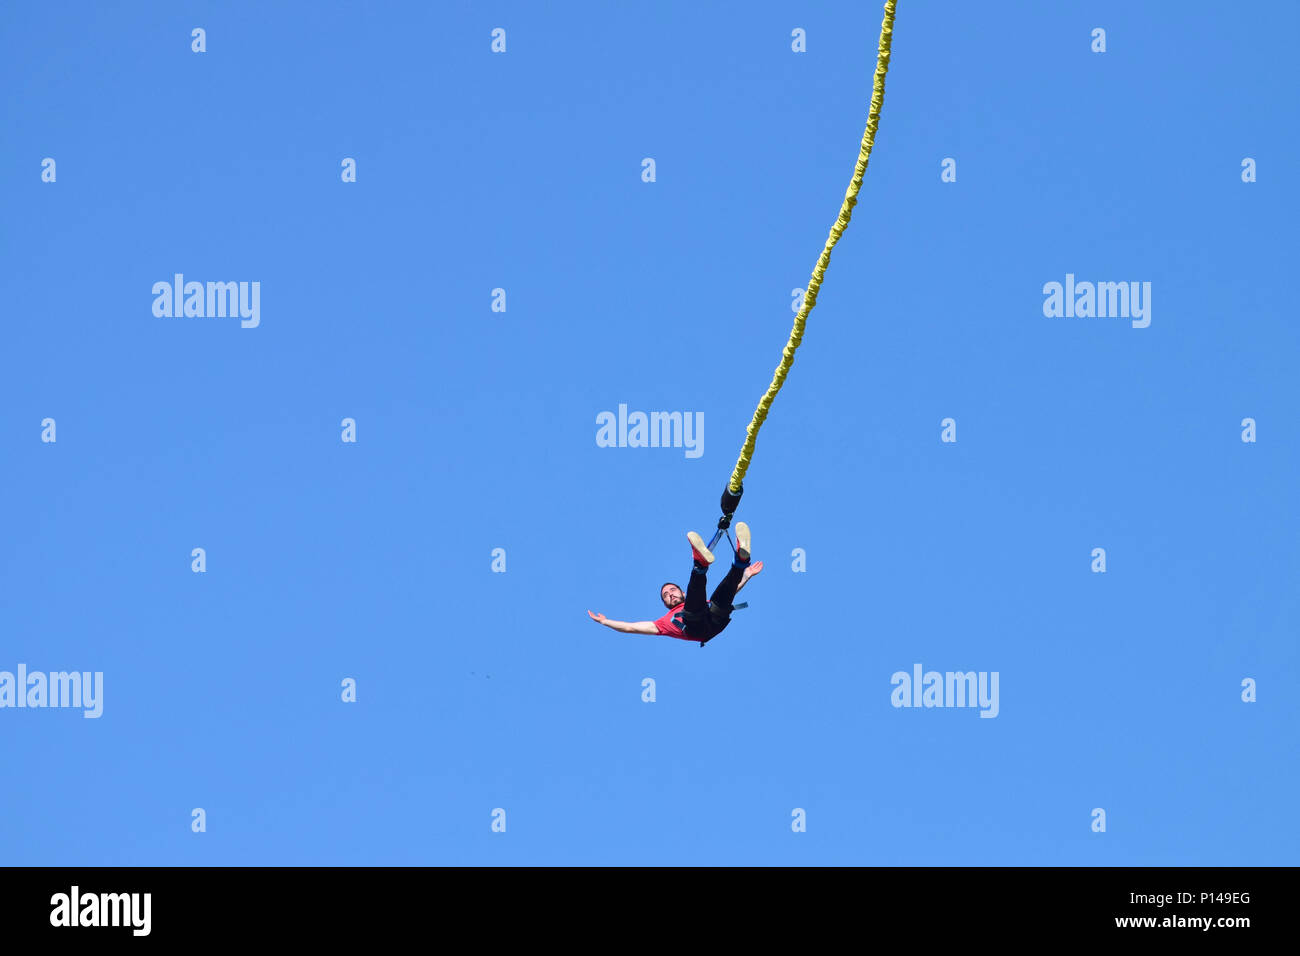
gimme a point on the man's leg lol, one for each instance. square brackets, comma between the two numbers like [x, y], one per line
[695, 615]
[720, 606]
[697, 589]
[725, 592]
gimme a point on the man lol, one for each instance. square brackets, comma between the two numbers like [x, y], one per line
[690, 617]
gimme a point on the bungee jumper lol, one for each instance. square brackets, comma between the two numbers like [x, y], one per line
[691, 618]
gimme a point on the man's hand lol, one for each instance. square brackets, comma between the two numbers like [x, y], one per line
[748, 573]
[640, 627]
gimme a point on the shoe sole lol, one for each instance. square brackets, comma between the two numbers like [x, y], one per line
[698, 544]
[742, 537]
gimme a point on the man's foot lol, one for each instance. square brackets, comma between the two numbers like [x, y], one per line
[742, 542]
[700, 551]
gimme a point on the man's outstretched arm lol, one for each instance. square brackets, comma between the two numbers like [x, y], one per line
[636, 627]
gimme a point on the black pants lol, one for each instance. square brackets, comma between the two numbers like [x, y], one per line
[704, 620]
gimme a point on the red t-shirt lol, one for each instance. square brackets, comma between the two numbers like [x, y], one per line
[671, 624]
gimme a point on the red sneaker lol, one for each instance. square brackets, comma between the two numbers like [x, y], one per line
[699, 550]
[742, 540]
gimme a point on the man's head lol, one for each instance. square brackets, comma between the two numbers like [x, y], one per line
[671, 595]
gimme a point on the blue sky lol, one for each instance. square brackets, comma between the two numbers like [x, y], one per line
[476, 430]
